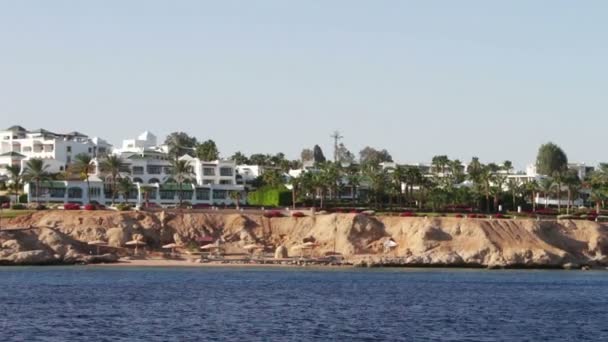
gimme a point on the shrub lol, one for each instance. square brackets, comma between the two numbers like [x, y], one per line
[354, 211]
[270, 197]
[501, 216]
[5, 205]
[71, 206]
[23, 198]
[297, 214]
[90, 207]
[459, 216]
[123, 207]
[273, 213]
[566, 217]
[195, 206]
[18, 207]
[4, 199]
[407, 214]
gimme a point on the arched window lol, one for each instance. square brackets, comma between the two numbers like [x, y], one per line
[153, 181]
[137, 180]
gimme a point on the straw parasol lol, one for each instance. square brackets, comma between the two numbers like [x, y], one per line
[172, 247]
[390, 244]
[135, 243]
[305, 245]
[97, 243]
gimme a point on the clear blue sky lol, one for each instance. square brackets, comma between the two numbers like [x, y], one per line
[419, 78]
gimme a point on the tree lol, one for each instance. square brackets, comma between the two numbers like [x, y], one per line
[515, 189]
[124, 187]
[532, 188]
[259, 159]
[296, 183]
[36, 171]
[545, 185]
[181, 171]
[307, 155]
[180, 143]
[343, 155]
[318, 155]
[370, 155]
[239, 158]
[14, 177]
[440, 163]
[82, 164]
[207, 151]
[378, 179]
[146, 191]
[272, 178]
[235, 196]
[551, 159]
[112, 165]
[573, 185]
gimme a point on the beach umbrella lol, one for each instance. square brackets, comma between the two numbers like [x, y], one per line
[135, 243]
[97, 243]
[252, 247]
[390, 244]
[209, 247]
[171, 246]
[302, 247]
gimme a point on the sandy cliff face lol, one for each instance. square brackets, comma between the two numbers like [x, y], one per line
[421, 241]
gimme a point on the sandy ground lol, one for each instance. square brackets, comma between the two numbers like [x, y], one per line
[184, 263]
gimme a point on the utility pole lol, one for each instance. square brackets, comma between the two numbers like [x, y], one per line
[336, 136]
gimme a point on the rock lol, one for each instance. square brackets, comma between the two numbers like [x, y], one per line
[570, 266]
[116, 237]
[35, 257]
[102, 259]
[281, 252]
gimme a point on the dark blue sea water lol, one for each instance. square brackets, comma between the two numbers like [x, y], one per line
[237, 304]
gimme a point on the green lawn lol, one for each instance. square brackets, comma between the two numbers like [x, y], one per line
[10, 213]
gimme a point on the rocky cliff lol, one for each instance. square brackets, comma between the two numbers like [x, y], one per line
[420, 241]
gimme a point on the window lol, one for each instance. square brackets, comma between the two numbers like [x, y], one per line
[226, 172]
[90, 150]
[57, 192]
[219, 194]
[138, 170]
[154, 169]
[208, 171]
[95, 192]
[208, 181]
[203, 194]
[225, 181]
[167, 194]
[69, 159]
[69, 148]
[74, 192]
[27, 149]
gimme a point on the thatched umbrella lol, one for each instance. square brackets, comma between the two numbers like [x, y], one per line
[97, 243]
[251, 248]
[302, 247]
[135, 243]
[172, 247]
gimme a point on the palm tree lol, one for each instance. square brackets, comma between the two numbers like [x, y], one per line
[514, 188]
[573, 185]
[354, 180]
[378, 178]
[14, 176]
[532, 188]
[36, 171]
[545, 186]
[558, 178]
[295, 182]
[146, 191]
[124, 187]
[235, 196]
[112, 165]
[181, 171]
[82, 163]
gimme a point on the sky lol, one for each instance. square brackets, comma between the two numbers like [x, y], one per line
[419, 78]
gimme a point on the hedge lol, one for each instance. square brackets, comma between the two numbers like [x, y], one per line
[270, 197]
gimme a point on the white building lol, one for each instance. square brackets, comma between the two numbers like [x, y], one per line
[144, 142]
[18, 145]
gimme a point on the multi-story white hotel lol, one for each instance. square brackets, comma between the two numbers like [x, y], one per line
[17, 145]
[149, 168]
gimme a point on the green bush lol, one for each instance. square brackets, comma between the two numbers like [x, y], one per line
[2, 186]
[18, 207]
[123, 207]
[270, 197]
[4, 199]
[23, 198]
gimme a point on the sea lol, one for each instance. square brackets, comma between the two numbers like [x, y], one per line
[97, 303]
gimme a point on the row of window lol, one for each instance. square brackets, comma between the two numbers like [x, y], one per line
[77, 193]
